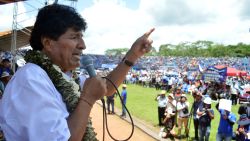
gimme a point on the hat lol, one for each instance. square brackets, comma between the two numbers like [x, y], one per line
[171, 95]
[124, 86]
[244, 120]
[207, 100]
[163, 92]
[184, 95]
[5, 74]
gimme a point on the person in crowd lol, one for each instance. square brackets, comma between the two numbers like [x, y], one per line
[111, 102]
[177, 93]
[41, 103]
[169, 121]
[225, 128]
[243, 130]
[234, 94]
[206, 115]
[197, 104]
[5, 78]
[183, 115]
[162, 102]
[6, 66]
[124, 100]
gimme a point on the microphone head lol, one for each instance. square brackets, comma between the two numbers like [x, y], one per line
[87, 64]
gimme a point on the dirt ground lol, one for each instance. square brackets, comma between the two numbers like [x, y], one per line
[118, 127]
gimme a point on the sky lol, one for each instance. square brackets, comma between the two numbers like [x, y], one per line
[118, 23]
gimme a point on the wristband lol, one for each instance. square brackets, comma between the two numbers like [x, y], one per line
[127, 62]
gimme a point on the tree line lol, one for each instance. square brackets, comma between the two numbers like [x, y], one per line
[194, 49]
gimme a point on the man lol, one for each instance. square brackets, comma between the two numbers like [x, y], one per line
[206, 114]
[197, 103]
[225, 129]
[124, 100]
[41, 103]
[111, 102]
[234, 94]
[6, 66]
[162, 102]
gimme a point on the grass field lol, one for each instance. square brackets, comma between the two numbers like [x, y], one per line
[141, 103]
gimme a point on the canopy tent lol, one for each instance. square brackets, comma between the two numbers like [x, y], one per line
[9, 1]
[22, 39]
[232, 71]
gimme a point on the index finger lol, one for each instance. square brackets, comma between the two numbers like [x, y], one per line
[149, 32]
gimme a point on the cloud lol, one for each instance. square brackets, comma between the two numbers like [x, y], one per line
[179, 12]
[113, 24]
[245, 12]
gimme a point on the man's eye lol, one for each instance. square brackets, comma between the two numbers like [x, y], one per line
[73, 37]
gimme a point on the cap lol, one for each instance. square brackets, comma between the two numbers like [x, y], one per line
[171, 95]
[5, 74]
[207, 100]
[163, 92]
[183, 95]
[124, 86]
[244, 120]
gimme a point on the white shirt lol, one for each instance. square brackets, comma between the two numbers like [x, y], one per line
[181, 106]
[32, 109]
[162, 101]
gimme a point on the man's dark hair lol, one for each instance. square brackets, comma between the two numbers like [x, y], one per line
[242, 109]
[52, 21]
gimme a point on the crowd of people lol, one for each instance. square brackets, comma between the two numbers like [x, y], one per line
[174, 111]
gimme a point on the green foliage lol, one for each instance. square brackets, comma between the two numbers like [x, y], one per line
[116, 52]
[194, 49]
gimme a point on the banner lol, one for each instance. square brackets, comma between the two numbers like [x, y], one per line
[214, 74]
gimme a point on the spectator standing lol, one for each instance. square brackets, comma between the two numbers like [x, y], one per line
[124, 100]
[197, 103]
[225, 129]
[183, 114]
[111, 102]
[162, 102]
[6, 66]
[169, 121]
[234, 93]
[243, 131]
[206, 114]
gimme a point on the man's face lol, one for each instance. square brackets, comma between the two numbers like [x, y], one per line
[6, 64]
[67, 50]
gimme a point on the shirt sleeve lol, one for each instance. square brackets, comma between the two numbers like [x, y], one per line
[35, 111]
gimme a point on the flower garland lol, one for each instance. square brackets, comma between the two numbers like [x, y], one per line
[69, 89]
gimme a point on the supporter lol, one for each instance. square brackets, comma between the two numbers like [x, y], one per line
[243, 130]
[225, 128]
[6, 66]
[206, 114]
[162, 102]
[124, 100]
[111, 102]
[197, 104]
[183, 115]
[169, 120]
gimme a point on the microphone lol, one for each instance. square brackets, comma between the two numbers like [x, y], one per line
[87, 64]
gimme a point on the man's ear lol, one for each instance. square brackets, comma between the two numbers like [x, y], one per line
[46, 43]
